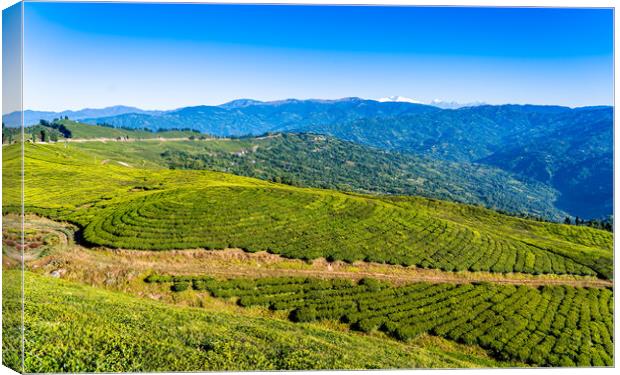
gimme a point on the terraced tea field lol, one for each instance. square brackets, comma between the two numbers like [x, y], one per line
[74, 328]
[311, 225]
[121, 206]
[545, 326]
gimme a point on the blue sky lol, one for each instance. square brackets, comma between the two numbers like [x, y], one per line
[162, 56]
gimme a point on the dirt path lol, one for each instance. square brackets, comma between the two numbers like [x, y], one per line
[107, 266]
[103, 265]
[421, 277]
[157, 139]
[82, 140]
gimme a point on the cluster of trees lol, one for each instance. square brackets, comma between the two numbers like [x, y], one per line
[8, 134]
[545, 326]
[162, 130]
[159, 130]
[57, 125]
[45, 131]
[107, 125]
[605, 224]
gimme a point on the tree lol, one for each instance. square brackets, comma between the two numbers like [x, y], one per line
[567, 220]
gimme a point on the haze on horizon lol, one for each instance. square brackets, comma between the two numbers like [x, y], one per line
[166, 56]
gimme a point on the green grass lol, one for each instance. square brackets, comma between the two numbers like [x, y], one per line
[546, 326]
[85, 131]
[75, 328]
[129, 207]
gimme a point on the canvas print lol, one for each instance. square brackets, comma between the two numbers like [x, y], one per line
[200, 187]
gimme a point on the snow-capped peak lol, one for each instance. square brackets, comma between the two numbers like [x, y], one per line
[454, 105]
[397, 98]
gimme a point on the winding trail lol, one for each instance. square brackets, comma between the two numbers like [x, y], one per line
[103, 265]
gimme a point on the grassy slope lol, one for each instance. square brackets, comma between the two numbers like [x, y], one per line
[84, 131]
[326, 162]
[76, 328]
[122, 206]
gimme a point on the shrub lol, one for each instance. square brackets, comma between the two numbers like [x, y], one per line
[158, 279]
[180, 286]
[372, 285]
[303, 314]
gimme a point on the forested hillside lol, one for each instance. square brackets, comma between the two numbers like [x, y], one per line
[326, 162]
[576, 159]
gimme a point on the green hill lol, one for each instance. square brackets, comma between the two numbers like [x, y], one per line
[327, 162]
[84, 131]
[119, 205]
[67, 129]
[75, 328]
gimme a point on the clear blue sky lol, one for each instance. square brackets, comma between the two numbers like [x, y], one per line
[162, 56]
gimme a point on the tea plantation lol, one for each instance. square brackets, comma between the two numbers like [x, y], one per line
[120, 200]
[546, 326]
[74, 328]
[121, 206]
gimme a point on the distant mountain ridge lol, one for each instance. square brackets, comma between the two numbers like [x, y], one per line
[454, 105]
[251, 117]
[398, 98]
[32, 117]
[443, 104]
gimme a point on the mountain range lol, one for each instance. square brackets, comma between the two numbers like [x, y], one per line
[568, 149]
[32, 117]
[435, 102]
